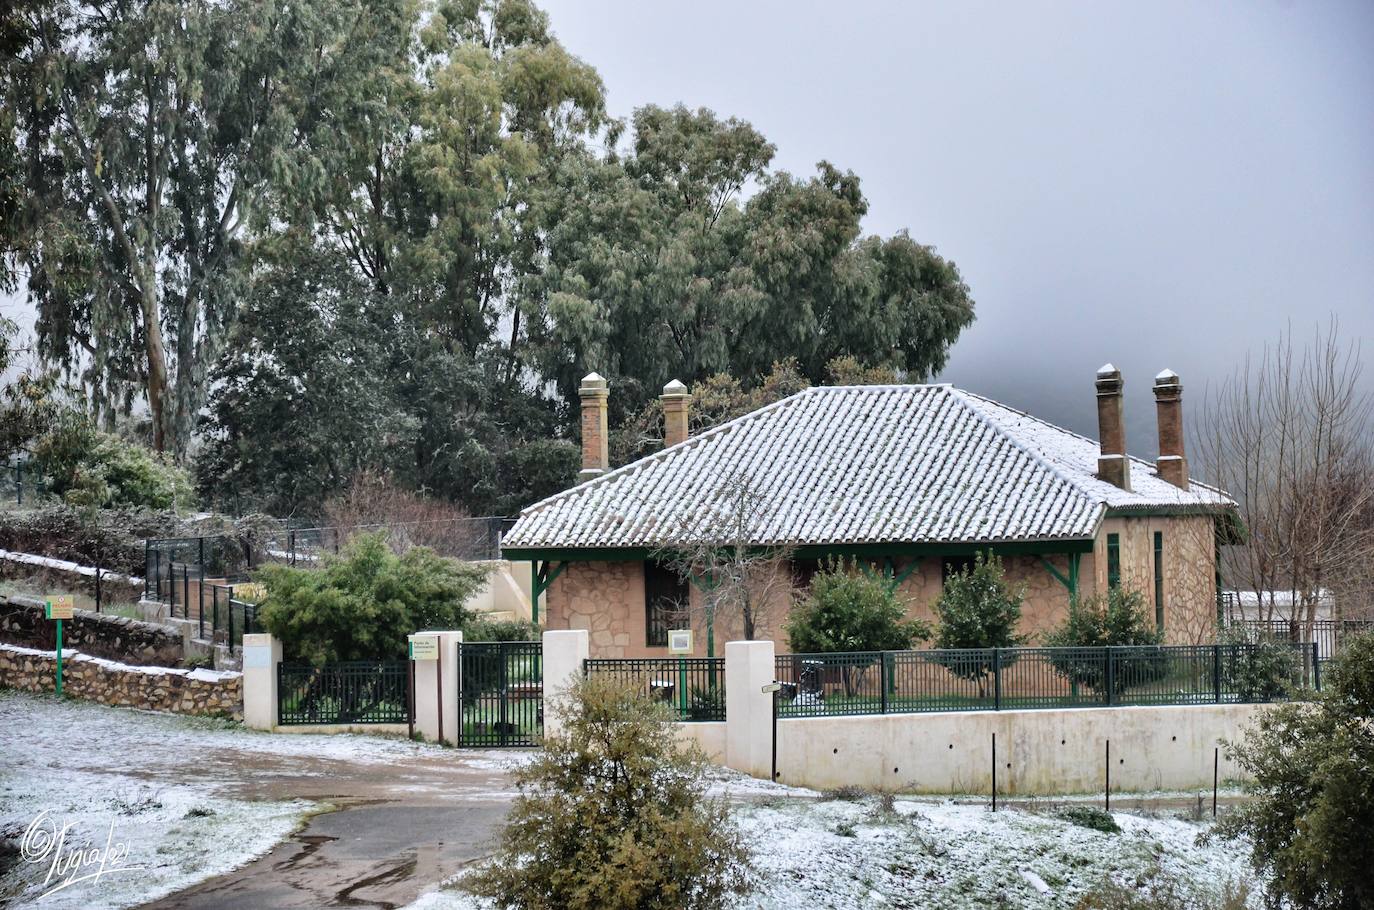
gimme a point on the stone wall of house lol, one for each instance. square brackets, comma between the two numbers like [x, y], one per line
[1046, 601]
[129, 641]
[208, 692]
[606, 599]
[1190, 605]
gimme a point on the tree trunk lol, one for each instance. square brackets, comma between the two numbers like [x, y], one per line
[157, 364]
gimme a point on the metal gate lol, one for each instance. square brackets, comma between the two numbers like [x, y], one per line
[501, 694]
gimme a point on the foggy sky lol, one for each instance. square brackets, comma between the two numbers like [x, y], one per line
[1159, 185]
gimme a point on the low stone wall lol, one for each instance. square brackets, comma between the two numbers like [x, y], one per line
[129, 641]
[114, 587]
[208, 692]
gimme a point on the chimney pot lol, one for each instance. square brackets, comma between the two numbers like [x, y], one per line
[1112, 464]
[594, 393]
[1172, 465]
[676, 401]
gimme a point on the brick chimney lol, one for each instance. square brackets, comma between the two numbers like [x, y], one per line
[595, 457]
[1172, 465]
[1112, 464]
[676, 401]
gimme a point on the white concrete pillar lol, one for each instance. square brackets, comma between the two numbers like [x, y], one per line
[748, 709]
[261, 654]
[436, 684]
[564, 652]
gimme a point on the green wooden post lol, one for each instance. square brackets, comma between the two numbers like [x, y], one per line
[59, 657]
[682, 686]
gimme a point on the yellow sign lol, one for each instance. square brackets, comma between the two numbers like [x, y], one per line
[61, 607]
[424, 647]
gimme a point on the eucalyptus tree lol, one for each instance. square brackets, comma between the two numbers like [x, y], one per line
[149, 131]
[684, 256]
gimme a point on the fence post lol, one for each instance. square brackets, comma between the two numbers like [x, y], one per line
[996, 686]
[1111, 676]
[749, 666]
[261, 655]
[565, 650]
[1316, 668]
[1216, 672]
[882, 680]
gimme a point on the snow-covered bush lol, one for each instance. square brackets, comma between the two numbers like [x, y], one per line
[90, 468]
[613, 814]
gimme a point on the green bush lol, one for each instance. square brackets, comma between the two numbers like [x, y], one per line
[362, 604]
[1311, 805]
[1117, 620]
[613, 813]
[1256, 666]
[978, 609]
[848, 610]
[1089, 817]
[484, 628]
[97, 470]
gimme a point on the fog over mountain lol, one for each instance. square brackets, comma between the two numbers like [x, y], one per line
[1168, 185]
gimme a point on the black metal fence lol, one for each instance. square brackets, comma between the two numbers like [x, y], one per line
[175, 567]
[226, 618]
[1328, 635]
[458, 538]
[21, 480]
[694, 687]
[883, 682]
[502, 689]
[350, 692]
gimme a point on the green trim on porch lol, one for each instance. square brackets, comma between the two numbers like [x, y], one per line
[1071, 581]
[542, 576]
[819, 551]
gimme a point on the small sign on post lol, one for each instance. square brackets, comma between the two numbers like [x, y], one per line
[60, 608]
[771, 688]
[424, 647]
[679, 641]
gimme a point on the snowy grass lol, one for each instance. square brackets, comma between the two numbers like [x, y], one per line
[930, 854]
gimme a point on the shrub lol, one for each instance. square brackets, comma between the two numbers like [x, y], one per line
[111, 538]
[978, 609]
[484, 628]
[1117, 620]
[847, 610]
[1089, 817]
[1312, 797]
[1256, 666]
[89, 468]
[1159, 889]
[614, 814]
[362, 604]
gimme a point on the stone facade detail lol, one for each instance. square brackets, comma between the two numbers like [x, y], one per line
[607, 598]
[207, 692]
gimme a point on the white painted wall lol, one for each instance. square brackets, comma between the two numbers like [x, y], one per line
[1038, 752]
[261, 654]
[430, 696]
[564, 652]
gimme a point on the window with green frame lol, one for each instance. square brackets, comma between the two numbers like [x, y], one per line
[1113, 560]
[1159, 580]
[666, 596]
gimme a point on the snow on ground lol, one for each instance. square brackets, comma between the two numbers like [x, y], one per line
[932, 854]
[166, 782]
[153, 839]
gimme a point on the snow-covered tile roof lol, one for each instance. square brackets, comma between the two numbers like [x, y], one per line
[858, 465]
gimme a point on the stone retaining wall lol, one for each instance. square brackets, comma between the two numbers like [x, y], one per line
[129, 641]
[61, 573]
[208, 692]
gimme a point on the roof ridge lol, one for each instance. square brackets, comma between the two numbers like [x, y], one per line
[638, 463]
[1034, 454]
[1143, 462]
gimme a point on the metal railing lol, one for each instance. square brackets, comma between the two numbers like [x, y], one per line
[459, 538]
[694, 687]
[996, 679]
[1328, 634]
[171, 565]
[350, 692]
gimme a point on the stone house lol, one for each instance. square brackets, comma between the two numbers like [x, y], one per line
[909, 480]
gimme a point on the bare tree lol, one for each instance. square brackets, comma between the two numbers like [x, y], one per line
[716, 548]
[1289, 436]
